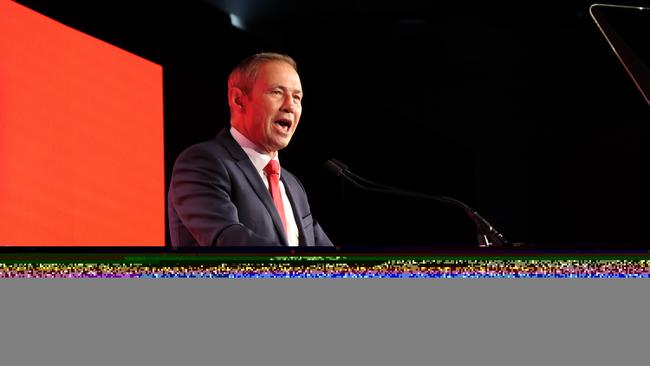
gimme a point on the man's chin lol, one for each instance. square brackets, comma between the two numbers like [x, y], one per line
[281, 144]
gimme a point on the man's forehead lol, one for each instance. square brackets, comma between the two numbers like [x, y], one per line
[287, 79]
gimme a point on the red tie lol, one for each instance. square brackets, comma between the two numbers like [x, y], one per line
[272, 169]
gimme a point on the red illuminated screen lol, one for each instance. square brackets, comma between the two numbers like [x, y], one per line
[81, 138]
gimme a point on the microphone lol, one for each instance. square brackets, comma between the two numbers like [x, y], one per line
[487, 235]
[333, 168]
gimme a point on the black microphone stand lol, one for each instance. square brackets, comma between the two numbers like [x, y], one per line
[488, 236]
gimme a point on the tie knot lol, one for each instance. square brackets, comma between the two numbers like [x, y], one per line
[273, 167]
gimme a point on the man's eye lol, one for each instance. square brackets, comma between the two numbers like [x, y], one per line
[297, 98]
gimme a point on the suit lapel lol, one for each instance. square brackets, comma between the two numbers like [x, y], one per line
[288, 188]
[253, 177]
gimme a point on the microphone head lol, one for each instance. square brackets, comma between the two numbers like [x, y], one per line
[333, 168]
[341, 165]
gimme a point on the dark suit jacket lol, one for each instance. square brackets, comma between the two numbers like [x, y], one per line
[217, 198]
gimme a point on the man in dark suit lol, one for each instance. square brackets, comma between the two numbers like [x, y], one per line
[230, 191]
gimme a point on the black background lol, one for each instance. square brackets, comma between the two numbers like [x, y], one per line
[519, 109]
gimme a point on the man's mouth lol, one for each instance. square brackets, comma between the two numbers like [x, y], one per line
[284, 124]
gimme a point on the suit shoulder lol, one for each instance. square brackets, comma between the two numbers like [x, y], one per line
[206, 149]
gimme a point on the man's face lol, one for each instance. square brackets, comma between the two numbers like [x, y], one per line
[273, 106]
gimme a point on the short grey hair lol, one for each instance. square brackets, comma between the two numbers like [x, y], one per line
[243, 75]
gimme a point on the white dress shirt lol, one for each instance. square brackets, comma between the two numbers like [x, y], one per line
[260, 159]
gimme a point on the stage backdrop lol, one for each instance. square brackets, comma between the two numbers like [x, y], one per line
[81, 138]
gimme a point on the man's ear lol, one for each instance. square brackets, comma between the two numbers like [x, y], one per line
[235, 96]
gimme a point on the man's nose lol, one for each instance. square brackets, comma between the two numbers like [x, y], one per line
[289, 105]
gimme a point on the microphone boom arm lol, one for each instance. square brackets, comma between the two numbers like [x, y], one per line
[487, 235]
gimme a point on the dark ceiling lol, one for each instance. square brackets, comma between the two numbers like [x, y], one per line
[264, 16]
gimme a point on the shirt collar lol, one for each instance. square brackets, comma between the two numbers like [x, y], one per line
[253, 151]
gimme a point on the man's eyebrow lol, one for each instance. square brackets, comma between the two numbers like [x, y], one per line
[296, 91]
